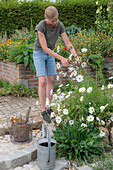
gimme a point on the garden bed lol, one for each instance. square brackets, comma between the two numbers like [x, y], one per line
[18, 73]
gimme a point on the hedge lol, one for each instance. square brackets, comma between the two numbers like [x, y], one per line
[16, 15]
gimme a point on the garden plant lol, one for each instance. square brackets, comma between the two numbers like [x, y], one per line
[80, 108]
[17, 89]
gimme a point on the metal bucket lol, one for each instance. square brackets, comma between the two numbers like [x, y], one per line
[46, 153]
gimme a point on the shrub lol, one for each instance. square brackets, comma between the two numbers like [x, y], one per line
[17, 89]
[78, 143]
[31, 12]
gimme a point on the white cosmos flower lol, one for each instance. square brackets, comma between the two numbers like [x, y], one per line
[84, 50]
[57, 77]
[90, 118]
[89, 89]
[58, 119]
[108, 9]
[96, 2]
[82, 119]
[61, 72]
[37, 102]
[102, 88]
[97, 118]
[67, 84]
[71, 75]
[58, 91]
[102, 108]
[70, 92]
[79, 78]
[58, 107]
[55, 96]
[62, 95]
[47, 102]
[59, 111]
[106, 105]
[52, 114]
[78, 59]
[89, 102]
[83, 64]
[70, 57]
[97, 11]
[53, 104]
[110, 86]
[61, 98]
[110, 78]
[64, 74]
[65, 111]
[71, 68]
[83, 125]
[60, 85]
[102, 133]
[75, 72]
[102, 122]
[71, 122]
[111, 118]
[51, 91]
[91, 110]
[81, 99]
[67, 96]
[82, 89]
[58, 49]
[58, 65]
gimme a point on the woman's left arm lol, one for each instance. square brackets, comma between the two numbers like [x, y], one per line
[68, 44]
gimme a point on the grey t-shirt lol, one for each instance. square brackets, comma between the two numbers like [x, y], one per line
[51, 34]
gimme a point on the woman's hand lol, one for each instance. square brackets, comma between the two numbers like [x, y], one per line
[75, 55]
[65, 62]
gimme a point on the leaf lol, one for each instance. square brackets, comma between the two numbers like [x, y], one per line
[32, 67]
[31, 56]
[26, 61]
[60, 153]
[19, 59]
[25, 53]
[63, 146]
[76, 151]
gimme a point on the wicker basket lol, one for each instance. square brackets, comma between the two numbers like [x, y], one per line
[20, 132]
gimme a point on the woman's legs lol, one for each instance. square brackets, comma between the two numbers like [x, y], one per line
[45, 66]
[41, 91]
[49, 87]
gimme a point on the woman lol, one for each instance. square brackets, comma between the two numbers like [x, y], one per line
[48, 31]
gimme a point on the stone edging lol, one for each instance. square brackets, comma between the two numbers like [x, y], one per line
[19, 158]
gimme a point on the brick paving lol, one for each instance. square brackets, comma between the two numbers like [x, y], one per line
[11, 105]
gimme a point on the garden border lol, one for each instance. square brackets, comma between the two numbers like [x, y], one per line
[18, 73]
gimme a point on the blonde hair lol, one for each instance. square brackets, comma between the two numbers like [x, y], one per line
[51, 12]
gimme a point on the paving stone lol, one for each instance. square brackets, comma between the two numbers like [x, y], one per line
[18, 168]
[27, 166]
[3, 165]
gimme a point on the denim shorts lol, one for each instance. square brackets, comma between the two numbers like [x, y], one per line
[44, 63]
